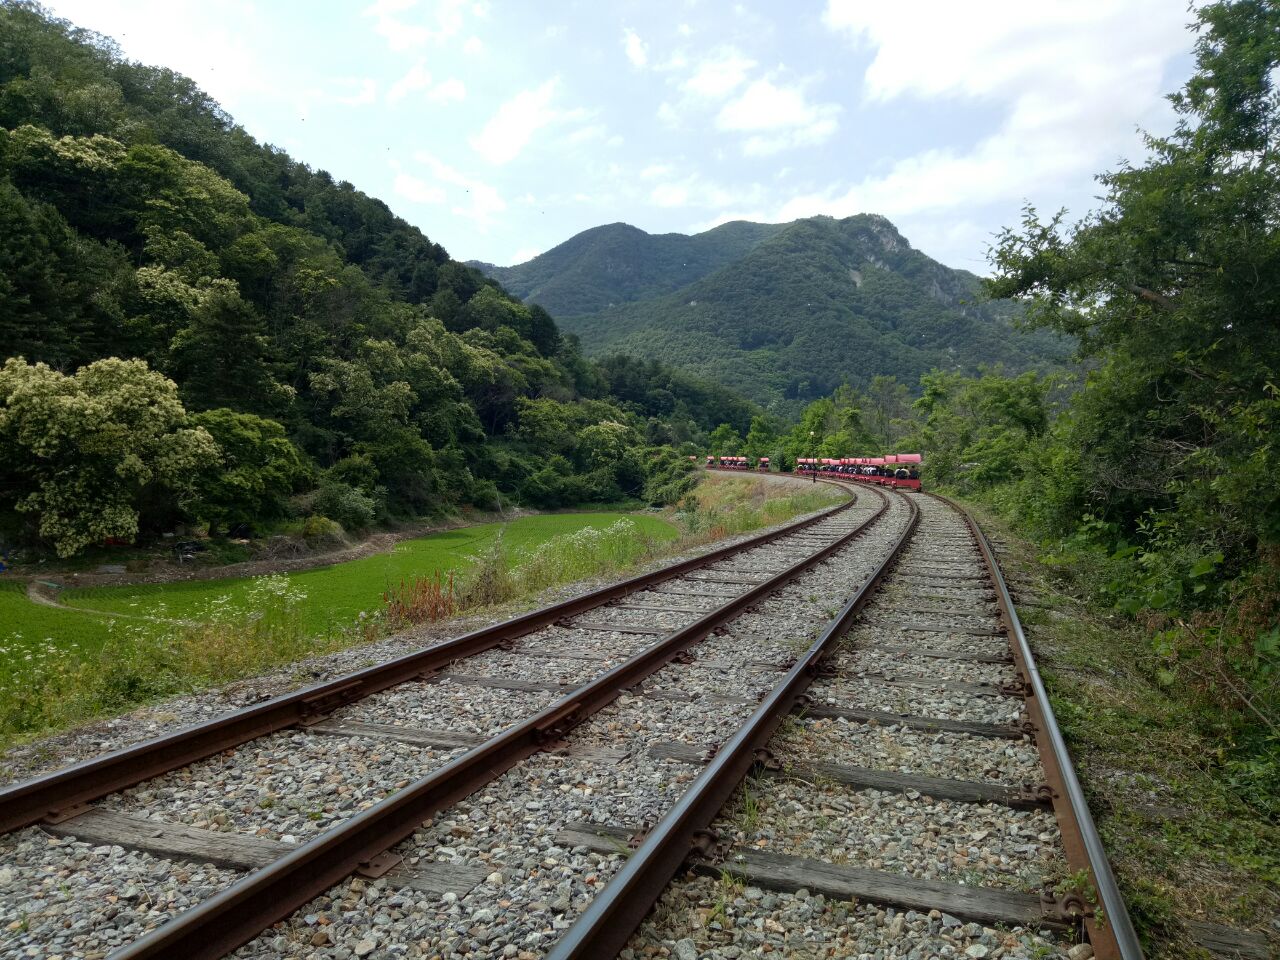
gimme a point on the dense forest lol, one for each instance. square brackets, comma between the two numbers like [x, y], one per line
[199, 328]
[783, 312]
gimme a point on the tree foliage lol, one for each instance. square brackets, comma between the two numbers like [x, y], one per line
[83, 454]
[1166, 459]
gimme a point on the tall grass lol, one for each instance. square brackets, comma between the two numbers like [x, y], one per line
[727, 506]
[141, 660]
[420, 600]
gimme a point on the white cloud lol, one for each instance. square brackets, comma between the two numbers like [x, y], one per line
[418, 80]
[777, 118]
[367, 93]
[511, 128]
[473, 46]
[684, 30]
[670, 194]
[1071, 80]
[635, 48]
[479, 201]
[719, 75]
[595, 131]
[444, 20]
[1068, 82]
[694, 190]
[417, 191]
[447, 91]
[655, 170]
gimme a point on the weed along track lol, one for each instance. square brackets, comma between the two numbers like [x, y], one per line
[207, 836]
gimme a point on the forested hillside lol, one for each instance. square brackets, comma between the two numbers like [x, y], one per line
[784, 313]
[199, 327]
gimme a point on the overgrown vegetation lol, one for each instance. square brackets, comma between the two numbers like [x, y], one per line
[1167, 451]
[1188, 840]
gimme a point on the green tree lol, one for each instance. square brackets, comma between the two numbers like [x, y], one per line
[256, 471]
[724, 439]
[760, 438]
[1175, 286]
[87, 454]
[220, 355]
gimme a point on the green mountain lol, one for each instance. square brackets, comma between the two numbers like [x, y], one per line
[784, 313]
[618, 263]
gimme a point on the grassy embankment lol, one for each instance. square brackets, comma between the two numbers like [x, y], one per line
[1187, 844]
[124, 646]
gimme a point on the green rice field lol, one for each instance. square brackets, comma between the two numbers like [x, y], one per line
[26, 626]
[337, 594]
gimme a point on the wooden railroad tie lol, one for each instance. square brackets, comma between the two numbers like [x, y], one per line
[773, 871]
[239, 851]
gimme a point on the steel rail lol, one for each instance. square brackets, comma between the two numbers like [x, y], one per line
[61, 793]
[1111, 935]
[237, 914]
[616, 912]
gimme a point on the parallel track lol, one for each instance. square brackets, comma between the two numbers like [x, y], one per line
[62, 793]
[359, 844]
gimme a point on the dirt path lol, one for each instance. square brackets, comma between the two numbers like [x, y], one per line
[42, 593]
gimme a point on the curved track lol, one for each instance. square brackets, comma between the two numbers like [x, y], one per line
[924, 773]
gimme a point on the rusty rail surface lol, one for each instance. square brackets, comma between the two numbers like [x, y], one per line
[1110, 929]
[242, 911]
[607, 924]
[63, 792]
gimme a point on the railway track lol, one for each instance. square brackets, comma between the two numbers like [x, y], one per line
[481, 798]
[223, 828]
[904, 792]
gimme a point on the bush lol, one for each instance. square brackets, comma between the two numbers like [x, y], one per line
[668, 476]
[484, 494]
[317, 527]
[352, 508]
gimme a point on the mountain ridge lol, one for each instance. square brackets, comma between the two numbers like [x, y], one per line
[569, 278]
[783, 312]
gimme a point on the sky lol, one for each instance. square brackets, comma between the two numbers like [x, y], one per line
[503, 128]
